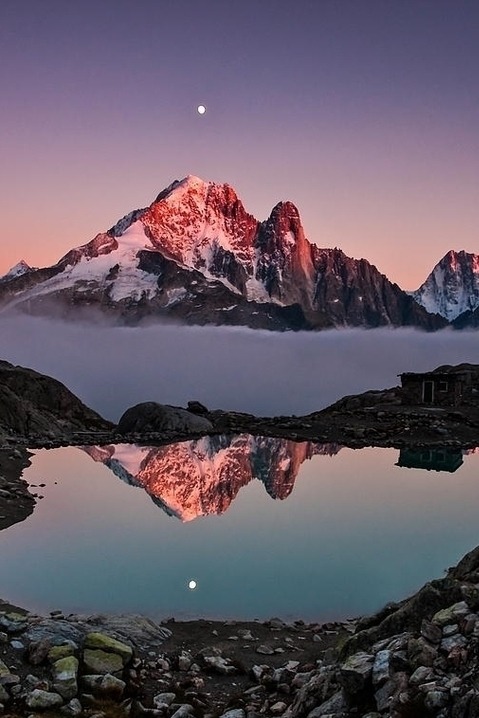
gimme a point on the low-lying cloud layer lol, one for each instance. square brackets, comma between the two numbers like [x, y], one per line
[265, 373]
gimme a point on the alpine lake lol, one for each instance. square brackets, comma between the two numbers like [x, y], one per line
[238, 527]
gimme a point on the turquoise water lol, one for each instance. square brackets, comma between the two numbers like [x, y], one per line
[345, 534]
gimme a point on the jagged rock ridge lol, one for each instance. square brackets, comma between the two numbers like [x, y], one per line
[195, 255]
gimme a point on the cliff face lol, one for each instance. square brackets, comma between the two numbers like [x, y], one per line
[351, 292]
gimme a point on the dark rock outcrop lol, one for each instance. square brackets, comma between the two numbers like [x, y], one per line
[16, 502]
[416, 658]
[467, 320]
[34, 405]
[352, 292]
[150, 416]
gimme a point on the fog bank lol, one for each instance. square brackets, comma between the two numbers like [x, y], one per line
[265, 373]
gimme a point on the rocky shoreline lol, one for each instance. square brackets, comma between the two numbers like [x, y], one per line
[375, 418]
[371, 419]
[419, 657]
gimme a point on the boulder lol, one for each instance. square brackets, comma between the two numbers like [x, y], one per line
[333, 706]
[152, 417]
[356, 671]
[196, 407]
[109, 644]
[131, 629]
[105, 686]
[57, 632]
[220, 665]
[97, 661]
[57, 652]
[43, 700]
[184, 710]
[65, 673]
[163, 700]
[381, 667]
[72, 709]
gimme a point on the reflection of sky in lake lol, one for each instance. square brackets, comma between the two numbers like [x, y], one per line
[357, 531]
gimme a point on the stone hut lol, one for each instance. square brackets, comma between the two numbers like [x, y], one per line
[446, 386]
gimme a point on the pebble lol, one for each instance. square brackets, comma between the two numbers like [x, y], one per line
[265, 650]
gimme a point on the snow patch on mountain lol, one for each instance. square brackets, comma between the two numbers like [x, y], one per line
[256, 292]
[174, 296]
[117, 271]
[130, 456]
[130, 282]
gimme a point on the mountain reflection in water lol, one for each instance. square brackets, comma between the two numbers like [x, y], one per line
[203, 477]
[356, 532]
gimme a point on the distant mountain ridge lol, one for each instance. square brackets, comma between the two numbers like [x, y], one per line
[196, 256]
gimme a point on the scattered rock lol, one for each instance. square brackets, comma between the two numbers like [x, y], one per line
[43, 700]
[110, 645]
[220, 665]
[97, 661]
[265, 650]
[65, 674]
[355, 671]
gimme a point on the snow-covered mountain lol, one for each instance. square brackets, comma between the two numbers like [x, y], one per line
[202, 477]
[17, 271]
[195, 255]
[452, 288]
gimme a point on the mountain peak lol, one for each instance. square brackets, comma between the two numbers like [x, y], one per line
[286, 208]
[190, 182]
[17, 270]
[452, 287]
[196, 254]
[193, 181]
[285, 216]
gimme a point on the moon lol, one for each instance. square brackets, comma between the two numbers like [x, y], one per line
[201, 109]
[192, 584]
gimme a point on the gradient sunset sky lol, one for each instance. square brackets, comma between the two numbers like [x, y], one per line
[365, 113]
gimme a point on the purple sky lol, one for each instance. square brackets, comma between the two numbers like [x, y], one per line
[364, 113]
